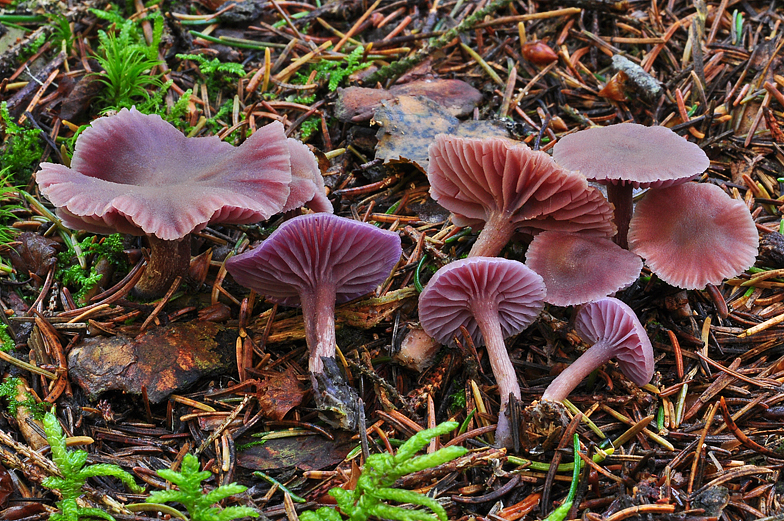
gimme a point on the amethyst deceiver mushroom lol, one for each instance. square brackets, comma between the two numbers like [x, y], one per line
[137, 174]
[628, 156]
[500, 187]
[578, 269]
[493, 298]
[691, 235]
[615, 332]
[315, 261]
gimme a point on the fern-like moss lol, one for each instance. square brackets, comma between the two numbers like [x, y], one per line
[374, 490]
[189, 494]
[74, 475]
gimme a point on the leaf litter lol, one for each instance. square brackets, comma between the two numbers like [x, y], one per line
[702, 441]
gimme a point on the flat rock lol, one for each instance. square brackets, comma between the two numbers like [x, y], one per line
[165, 360]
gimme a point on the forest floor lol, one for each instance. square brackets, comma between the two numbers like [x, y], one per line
[704, 440]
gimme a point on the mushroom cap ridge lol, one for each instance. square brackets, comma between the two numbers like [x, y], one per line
[511, 286]
[610, 321]
[314, 249]
[631, 153]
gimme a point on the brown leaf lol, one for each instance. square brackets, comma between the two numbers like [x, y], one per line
[279, 393]
[36, 254]
[408, 126]
[357, 104]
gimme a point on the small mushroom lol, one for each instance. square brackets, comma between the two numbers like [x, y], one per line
[615, 332]
[315, 261]
[629, 156]
[493, 298]
[578, 269]
[137, 174]
[500, 187]
[691, 235]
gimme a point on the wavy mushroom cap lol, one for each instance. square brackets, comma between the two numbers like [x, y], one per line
[137, 174]
[489, 282]
[611, 322]
[578, 269]
[631, 153]
[475, 178]
[693, 234]
[314, 250]
[307, 184]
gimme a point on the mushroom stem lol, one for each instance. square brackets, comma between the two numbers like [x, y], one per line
[318, 312]
[168, 260]
[564, 383]
[486, 316]
[496, 233]
[620, 195]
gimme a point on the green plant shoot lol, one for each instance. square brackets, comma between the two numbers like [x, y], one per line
[127, 64]
[373, 492]
[74, 474]
[190, 495]
[560, 513]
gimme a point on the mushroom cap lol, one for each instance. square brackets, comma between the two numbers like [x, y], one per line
[578, 269]
[475, 178]
[693, 234]
[137, 174]
[631, 153]
[307, 184]
[509, 286]
[316, 249]
[611, 321]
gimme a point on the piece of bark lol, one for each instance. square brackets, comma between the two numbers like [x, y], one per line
[165, 360]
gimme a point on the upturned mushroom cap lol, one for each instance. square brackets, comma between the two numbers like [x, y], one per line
[610, 321]
[615, 332]
[307, 184]
[631, 153]
[318, 249]
[578, 269]
[693, 234]
[500, 186]
[454, 293]
[137, 174]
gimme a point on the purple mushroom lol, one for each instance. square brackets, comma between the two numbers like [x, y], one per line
[578, 269]
[628, 156]
[315, 261]
[493, 298]
[615, 332]
[137, 174]
[501, 187]
[693, 234]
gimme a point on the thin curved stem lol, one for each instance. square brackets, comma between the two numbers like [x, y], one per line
[486, 316]
[599, 354]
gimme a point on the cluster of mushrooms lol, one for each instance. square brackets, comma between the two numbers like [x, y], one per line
[690, 235]
[137, 174]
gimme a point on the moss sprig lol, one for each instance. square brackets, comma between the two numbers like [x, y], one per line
[190, 495]
[74, 475]
[374, 490]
